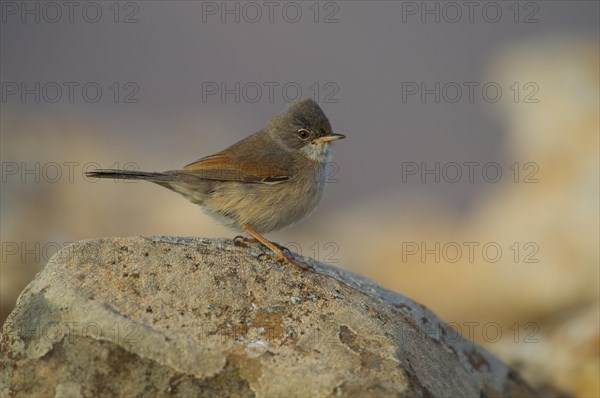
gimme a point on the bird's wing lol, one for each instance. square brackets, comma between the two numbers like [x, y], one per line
[223, 167]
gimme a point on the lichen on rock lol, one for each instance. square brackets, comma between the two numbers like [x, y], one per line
[191, 316]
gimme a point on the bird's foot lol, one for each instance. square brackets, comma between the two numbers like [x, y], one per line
[283, 258]
[243, 241]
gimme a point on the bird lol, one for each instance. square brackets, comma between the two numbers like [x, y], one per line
[269, 180]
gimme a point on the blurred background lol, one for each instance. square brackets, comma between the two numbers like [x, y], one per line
[469, 181]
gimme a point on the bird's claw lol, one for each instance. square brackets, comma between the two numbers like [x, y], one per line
[285, 259]
[240, 241]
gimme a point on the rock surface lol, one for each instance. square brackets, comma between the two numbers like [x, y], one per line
[198, 317]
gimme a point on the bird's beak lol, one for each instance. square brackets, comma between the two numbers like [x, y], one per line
[329, 138]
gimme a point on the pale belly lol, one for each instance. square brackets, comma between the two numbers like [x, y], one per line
[264, 207]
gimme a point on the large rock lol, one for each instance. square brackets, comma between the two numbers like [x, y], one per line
[199, 317]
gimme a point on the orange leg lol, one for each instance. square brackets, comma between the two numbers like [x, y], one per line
[279, 254]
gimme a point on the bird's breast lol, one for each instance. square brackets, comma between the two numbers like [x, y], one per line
[270, 207]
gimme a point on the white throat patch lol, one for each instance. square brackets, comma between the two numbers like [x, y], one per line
[317, 152]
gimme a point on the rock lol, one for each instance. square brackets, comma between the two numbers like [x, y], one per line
[190, 317]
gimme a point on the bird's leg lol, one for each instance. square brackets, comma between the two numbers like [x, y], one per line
[275, 248]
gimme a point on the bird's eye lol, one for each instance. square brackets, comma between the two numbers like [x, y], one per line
[303, 134]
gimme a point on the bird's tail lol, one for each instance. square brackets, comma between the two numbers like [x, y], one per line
[132, 175]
